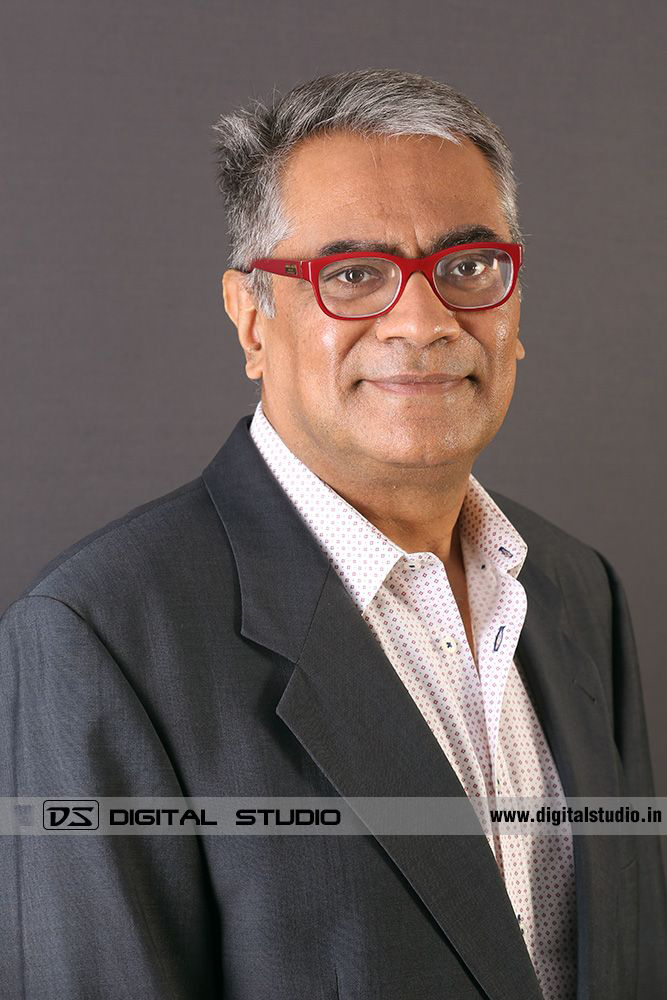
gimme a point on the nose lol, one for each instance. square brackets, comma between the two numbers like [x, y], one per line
[419, 315]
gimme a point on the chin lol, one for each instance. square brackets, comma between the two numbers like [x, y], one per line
[429, 455]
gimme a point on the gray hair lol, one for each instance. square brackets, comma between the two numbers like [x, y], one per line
[252, 145]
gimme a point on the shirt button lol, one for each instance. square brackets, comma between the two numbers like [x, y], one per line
[450, 645]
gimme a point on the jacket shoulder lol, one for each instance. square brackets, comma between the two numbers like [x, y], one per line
[149, 548]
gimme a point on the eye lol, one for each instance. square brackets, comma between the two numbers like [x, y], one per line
[468, 269]
[353, 275]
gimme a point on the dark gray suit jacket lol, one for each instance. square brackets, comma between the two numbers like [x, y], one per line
[202, 645]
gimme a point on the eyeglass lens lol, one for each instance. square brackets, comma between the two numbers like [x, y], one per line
[361, 287]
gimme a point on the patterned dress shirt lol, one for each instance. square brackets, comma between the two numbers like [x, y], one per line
[474, 701]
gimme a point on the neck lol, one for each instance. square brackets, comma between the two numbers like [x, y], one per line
[418, 513]
[416, 507]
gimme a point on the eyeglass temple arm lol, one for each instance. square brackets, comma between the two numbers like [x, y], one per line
[291, 268]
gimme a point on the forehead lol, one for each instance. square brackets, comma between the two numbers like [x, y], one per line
[399, 189]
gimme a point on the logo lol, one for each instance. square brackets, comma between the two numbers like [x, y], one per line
[71, 814]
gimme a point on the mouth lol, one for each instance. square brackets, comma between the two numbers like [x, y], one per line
[430, 385]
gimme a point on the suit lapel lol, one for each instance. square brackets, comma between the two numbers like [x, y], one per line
[352, 714]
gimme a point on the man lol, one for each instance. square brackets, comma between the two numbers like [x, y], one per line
[337, 607]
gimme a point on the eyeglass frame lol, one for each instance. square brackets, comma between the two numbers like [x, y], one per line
[309, 270]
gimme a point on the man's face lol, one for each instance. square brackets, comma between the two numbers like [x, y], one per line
[317, 372]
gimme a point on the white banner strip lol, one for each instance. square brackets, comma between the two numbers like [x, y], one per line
[326, 815]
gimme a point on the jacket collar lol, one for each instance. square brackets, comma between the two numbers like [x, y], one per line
[346, 704]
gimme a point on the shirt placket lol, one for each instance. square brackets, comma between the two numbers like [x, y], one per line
[495, 657]
[496, 633]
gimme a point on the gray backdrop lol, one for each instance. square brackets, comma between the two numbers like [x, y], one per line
[121, 374]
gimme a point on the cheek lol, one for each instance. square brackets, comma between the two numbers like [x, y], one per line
[499, 342]
[327, 347]
[505, 360]
[504, 333]
[310, 363]
[326, 343]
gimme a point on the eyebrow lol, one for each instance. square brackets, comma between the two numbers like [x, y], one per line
[451, 238]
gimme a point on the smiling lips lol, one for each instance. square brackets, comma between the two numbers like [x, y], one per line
[412, 383]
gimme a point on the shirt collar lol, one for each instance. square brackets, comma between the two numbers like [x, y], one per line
[360, 553]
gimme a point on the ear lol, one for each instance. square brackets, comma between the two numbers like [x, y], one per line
[243, 313]
[520, 350]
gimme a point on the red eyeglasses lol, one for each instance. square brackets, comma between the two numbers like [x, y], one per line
[466, 277]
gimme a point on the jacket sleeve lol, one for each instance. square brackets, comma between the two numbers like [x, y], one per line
[631, 737]
[90, 916]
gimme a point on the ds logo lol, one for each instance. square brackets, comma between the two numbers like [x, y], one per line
[71, 814]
